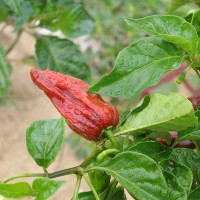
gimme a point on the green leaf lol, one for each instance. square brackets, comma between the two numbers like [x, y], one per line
[100, 180]
[123, 116]
[126, 143]
[61, 55]
[139, 174]
[16, 190]
[195, 194]
[14, 5]
[181, 172]
[138, 67]
[175, 190]
[163, 114]
[189, 158]
[195, 20]
[143, 104]
[172, 28]
[86, 196]
[3, 13]
[73, 21]
[5, 72]
[119, 194]
[158, 151]
[44, 187]
[175, 4]
[44, 139]
[191, 136]
[154, 135]
[26, 11]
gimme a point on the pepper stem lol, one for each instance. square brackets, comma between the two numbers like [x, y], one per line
[23, 176]
[91, 157]
[113, 185]
[109, 134]
[76, 190]
[91, 186]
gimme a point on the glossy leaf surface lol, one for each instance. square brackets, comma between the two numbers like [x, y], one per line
[44, 187]
[175, 190]
[172, 28]
[15, 190]
[189, 158]
[163, 114]
[154, 150]
[182, 173]
[138, 173]
[139, 66]
[61, 55]
[44, 139]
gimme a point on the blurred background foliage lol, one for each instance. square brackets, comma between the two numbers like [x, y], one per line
[84, 38]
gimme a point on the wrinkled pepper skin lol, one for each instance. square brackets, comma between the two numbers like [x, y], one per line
[86, 114]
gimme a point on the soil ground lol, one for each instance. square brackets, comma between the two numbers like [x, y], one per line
[26, 105]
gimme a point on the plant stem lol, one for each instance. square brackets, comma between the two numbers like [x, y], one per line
[14, 42]
[74, 170]
[97, 150]
[111, 190]
[76, 190]
[197, 147]
[23, 176]
[3, 28]
[64, 172]
[111, 137]
[103, 154]
[196, 71]
[91, 186]
[46, 172]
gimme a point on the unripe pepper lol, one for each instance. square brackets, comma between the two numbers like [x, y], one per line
[86, 114]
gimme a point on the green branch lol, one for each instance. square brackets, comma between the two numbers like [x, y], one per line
[111, 137]
[76, 190]
[74, 170]
[23, 176]
[14, 42]
[91, 186]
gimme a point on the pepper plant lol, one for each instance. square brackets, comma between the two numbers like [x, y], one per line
[135, 151]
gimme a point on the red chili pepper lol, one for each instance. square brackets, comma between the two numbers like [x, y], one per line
[86, 114]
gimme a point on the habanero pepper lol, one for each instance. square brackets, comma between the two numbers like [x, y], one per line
[86, 114]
